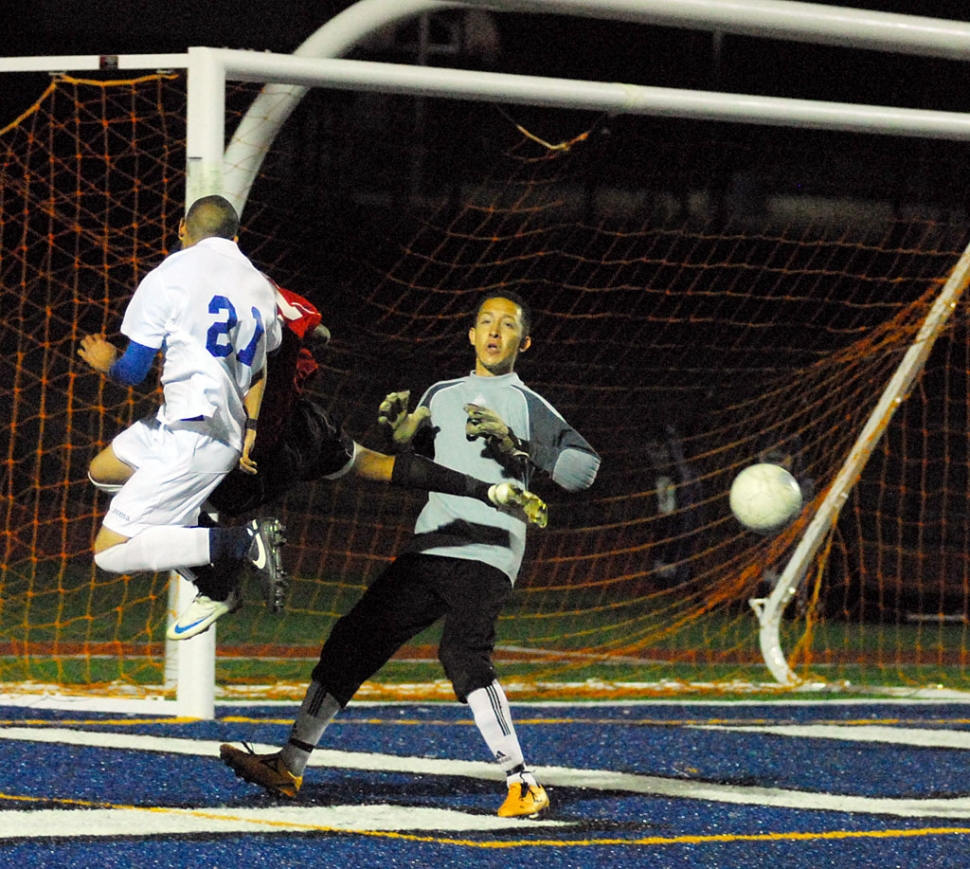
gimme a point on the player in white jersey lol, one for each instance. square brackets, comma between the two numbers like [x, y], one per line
[212, 314]
[462, 562]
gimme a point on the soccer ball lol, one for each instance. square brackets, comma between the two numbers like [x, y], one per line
[765, 498]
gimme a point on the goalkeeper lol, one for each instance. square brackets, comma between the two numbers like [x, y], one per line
[462, 561]
[297, 441]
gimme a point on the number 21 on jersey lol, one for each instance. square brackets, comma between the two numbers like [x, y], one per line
[218, 339]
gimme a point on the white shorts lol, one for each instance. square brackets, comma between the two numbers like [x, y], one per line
[176, 469]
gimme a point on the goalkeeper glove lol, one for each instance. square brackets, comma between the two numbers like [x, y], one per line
[487, 424]
[394, 414]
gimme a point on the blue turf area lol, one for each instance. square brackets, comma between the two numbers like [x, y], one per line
[644, 785]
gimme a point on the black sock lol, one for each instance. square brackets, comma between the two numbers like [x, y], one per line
[216, 581]
[229, 543]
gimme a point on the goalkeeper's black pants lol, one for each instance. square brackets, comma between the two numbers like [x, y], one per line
[413, 593]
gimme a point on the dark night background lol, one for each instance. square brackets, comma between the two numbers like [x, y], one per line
[552, 45]
[742, 163]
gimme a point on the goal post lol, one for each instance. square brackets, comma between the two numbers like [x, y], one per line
[771, 609]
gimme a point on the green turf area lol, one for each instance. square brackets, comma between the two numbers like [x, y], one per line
[76, 626]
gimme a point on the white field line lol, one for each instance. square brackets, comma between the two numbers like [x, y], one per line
[552, 776]
[142, 821]
[149, 700]
[921, 737]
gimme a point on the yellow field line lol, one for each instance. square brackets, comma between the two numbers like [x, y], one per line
[679, 840]
[599, 722]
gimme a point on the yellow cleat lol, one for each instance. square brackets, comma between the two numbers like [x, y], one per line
[524, 800]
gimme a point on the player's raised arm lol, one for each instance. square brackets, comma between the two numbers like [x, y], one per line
[98, 352]
[127, 369]
[555, 447]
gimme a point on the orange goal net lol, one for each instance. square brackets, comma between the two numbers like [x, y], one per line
[694, 316]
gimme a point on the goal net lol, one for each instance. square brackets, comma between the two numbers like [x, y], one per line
[703, 300]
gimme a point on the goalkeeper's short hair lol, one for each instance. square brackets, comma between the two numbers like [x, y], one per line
[514, 297]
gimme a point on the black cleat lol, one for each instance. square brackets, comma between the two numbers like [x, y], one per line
[266, 559]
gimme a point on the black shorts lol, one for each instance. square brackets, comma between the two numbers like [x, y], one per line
[312, 446]
[413, 593]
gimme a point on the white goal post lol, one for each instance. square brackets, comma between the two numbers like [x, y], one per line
[214, 167]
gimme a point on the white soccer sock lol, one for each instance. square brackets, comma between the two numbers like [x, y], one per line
[316, 712]
[155, 549]
[494, 719]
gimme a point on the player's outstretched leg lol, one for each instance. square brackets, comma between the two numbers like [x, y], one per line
[265, 557]
[266, 770]
[526, 797]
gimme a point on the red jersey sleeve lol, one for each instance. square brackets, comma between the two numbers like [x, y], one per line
[298, 314]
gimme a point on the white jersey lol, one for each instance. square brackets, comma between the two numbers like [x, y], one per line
[214, 315]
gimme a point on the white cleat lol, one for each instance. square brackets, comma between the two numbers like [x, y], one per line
[201, 614]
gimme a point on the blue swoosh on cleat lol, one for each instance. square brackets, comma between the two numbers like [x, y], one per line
[178, 629]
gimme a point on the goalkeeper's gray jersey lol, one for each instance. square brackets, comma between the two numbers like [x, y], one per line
[462, 527]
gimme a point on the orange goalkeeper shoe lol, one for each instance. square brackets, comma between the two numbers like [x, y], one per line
[525, 799]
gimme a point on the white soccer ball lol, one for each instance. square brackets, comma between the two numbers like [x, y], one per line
[765, 498]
